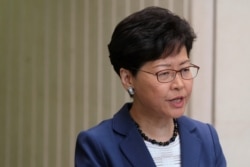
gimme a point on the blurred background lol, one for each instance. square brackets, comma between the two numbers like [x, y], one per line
[56, 78]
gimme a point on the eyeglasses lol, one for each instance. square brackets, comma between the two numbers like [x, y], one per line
[169, 75]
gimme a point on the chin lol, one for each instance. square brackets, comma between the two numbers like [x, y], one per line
[178, 113]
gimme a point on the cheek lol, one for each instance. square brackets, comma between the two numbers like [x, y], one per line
[147, 84]
[189, 87]
[150, 89]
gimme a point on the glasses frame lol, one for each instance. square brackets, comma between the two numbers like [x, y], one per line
[176, 71]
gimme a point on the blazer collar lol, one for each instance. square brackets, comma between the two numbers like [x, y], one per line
[135, 150]
[132, 146]
[190, 143]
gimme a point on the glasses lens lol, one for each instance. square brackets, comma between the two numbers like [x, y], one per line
[165, 76]
[169, 75]
[189, 72]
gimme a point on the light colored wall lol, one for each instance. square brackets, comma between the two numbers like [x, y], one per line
[56, 79]
[202, 20]
[233, 79]
[221, 94]
[55, 75]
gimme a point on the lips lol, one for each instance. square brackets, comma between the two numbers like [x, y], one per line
[177, 102]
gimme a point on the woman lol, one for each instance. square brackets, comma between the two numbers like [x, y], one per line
[149, 50]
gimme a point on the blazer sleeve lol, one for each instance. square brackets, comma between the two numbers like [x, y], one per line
[220, 158]
[88, 151]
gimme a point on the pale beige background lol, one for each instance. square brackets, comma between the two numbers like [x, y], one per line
[56, 79]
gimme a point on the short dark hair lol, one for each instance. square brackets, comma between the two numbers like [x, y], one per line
[147, 34]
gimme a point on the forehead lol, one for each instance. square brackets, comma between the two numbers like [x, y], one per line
[173, 60]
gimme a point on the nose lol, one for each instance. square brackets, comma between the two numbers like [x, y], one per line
[177, 83]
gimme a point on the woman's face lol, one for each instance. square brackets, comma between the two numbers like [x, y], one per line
[163, 99]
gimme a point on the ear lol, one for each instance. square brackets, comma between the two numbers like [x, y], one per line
[126, 78]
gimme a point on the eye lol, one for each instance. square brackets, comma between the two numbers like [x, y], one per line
[188, 72]
[185, 70]
[166, 73]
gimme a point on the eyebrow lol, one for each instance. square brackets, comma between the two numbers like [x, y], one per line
[169, 65]
[187, 61]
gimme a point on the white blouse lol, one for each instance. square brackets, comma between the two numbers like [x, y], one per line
[166, 156]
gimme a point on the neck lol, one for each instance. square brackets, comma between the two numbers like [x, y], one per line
[160, 143]
[155, 127]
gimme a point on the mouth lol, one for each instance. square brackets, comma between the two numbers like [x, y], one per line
[177, 102]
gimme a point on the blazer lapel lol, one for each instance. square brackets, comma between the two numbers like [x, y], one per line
[132, 144]
[190, 144]
[136, 151]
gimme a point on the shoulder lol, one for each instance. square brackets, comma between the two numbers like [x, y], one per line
[95, 145]
[95, 140]
[96, 131]
[121, 123]
[206, 134]
[205, 131]
[192, 123]
[189, 121]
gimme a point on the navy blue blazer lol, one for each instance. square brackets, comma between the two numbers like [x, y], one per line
[117, 143]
